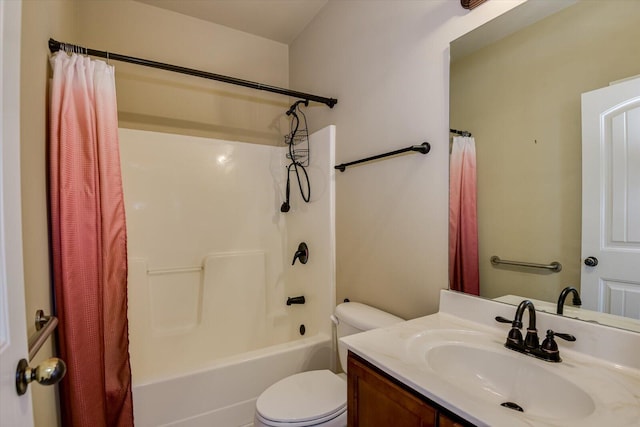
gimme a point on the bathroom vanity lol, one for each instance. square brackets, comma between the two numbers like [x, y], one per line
[452, 369]
[375, 398]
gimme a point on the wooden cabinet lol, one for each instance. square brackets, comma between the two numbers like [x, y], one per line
[444, 421]
[374, 399]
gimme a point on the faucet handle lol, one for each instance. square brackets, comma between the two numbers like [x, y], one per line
[549, 344]
[302, 254]
[567, 337]
[515, 337]
[514, 323]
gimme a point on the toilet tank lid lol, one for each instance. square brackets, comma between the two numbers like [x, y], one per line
[365, 317]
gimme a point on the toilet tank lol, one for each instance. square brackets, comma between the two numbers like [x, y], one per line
[354, 317]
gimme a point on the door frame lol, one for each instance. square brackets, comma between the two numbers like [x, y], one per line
[14, 410]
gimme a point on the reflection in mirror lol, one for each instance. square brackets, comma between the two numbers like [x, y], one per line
[520, 98]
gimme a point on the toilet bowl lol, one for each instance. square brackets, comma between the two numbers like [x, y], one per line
[305, 399]
[319, 398]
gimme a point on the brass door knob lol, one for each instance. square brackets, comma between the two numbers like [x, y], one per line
[49, 372]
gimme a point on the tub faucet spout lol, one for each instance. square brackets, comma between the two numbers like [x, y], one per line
[296, 300]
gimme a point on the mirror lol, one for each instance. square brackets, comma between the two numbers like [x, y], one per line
[516, 84]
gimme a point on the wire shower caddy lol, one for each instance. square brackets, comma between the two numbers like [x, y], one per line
[298, 137]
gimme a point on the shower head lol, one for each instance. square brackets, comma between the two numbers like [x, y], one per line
[285, 206]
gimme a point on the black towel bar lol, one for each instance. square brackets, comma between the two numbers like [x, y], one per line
[423, 148]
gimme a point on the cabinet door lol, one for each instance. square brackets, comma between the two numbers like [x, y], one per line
[444, 421]
[375, 401]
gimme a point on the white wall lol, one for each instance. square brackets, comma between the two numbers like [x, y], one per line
[387, 63]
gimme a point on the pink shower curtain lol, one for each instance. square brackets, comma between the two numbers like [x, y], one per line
[89, 247]
[463, 218]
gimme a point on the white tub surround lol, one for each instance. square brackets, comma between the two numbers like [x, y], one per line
[597, 383]
[209, 256]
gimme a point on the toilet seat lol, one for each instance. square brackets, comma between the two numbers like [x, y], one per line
[304, 399]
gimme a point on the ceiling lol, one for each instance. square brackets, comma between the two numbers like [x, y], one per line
[279, 20]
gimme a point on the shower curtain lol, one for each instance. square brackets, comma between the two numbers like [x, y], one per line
[88, 239]
[464, 273]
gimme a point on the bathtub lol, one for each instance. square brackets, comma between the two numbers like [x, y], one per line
[224, 393]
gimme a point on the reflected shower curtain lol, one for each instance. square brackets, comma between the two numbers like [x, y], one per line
[88, 237]
[463, 217]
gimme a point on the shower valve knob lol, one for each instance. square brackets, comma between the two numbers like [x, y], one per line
[302, 254]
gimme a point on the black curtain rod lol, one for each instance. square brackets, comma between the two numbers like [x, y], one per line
[423, 148]
[54, 46]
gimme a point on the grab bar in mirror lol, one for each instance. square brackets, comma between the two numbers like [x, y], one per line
[45, 325]
[554, 266]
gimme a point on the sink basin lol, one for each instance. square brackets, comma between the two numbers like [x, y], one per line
[513, 381]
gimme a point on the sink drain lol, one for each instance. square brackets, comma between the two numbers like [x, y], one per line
[512, 405]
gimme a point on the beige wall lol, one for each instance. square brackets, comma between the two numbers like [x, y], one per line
[387, 63]
[169, 102]
[521, 99]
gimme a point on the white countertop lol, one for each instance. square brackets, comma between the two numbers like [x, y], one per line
[400, 351]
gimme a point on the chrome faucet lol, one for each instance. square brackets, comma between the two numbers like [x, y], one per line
[563, 296]
[531, 344]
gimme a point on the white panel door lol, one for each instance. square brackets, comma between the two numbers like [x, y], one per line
[14, 410]
[610, 279]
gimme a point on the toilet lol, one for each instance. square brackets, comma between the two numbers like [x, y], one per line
[319, 398]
